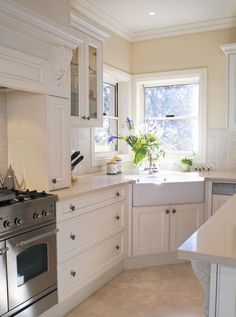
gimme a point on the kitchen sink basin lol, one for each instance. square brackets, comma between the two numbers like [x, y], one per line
[167, 188]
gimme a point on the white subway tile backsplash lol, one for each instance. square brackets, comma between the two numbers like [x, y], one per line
[221, 149]
[220, 152]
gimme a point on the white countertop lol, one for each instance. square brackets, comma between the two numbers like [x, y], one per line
[215, 241]
[219, 175]
[94, 182]
[88, 184]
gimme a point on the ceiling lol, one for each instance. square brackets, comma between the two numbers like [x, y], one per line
[131, 19]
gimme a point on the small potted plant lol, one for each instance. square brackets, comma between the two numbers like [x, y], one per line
[186, 163]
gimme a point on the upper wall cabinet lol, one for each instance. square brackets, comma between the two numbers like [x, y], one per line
[86, 83]
[230, 51]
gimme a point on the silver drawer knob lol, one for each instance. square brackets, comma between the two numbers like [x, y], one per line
[73, 273]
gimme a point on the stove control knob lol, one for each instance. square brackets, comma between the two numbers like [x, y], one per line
[36, 216]
[7, 224]
[45, 213]
[17, 221]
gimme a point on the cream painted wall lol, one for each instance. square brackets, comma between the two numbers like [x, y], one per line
[190, 51]
[117, 53]
[56, 10]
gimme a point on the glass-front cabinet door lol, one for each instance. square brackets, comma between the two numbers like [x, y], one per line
[86, 83]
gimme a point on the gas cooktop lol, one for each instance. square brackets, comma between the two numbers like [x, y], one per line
[25, 210]
[11, 196]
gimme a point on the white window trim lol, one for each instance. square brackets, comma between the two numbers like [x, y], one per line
[111, 75]
[200, 75]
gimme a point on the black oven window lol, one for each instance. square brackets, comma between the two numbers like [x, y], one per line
[31, 263]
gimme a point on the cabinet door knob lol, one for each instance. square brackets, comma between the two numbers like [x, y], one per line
[117, 194]
[118, 217]
[72, 207]
[83, 117]
[88, 118]
[54, 180]
[72, 236]
[117, 247]
[167, 211]
[73, 273]
[174, 211]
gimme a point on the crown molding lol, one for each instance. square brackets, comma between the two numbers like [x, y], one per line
[98, 16]
[203, 26]
[18, 18]
[83, 24]
[229, 48]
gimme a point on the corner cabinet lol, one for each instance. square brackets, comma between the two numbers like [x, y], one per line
[230, 51]
[163, 228]
[86, 83]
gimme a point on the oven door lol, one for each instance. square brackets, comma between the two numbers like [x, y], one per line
[31, 263]
[3, 279]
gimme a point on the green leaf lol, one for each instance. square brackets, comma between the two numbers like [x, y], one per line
[140, 155]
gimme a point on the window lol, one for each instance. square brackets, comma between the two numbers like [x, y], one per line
[110, 120]
[174, 103]
[117, 104]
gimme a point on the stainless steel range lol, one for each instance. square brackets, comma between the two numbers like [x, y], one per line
[28, 271]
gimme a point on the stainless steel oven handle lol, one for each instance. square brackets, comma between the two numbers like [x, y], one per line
[3, 250]
[38, 237]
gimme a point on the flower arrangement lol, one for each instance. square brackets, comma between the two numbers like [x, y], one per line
[144, 144]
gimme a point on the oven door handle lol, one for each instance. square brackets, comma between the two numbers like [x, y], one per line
[40, 236]
[3, 250]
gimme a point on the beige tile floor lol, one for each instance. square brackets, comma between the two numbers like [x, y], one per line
[163, 291]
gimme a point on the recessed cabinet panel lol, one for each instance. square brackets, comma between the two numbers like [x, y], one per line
[150, 230]
[85, 267]
[185, 220]
[59, 136]
[86, 230]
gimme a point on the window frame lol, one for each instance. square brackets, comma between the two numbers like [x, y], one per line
[113, 76]
[171, 78]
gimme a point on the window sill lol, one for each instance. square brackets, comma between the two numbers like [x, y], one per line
[100, 160]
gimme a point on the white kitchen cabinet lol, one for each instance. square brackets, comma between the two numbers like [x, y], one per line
[184, 220]
[87, 83]
[81, 269]
[39, 139]
[58, 142]
[163, 228]
[230, 51]
[150, 229]
[92, 237]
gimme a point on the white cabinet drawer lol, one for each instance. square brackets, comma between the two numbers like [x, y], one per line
[84, 204]
[81, 232]
[88, 265]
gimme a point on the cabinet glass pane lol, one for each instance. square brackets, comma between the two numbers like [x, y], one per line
[92, 82]
[75, 83]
